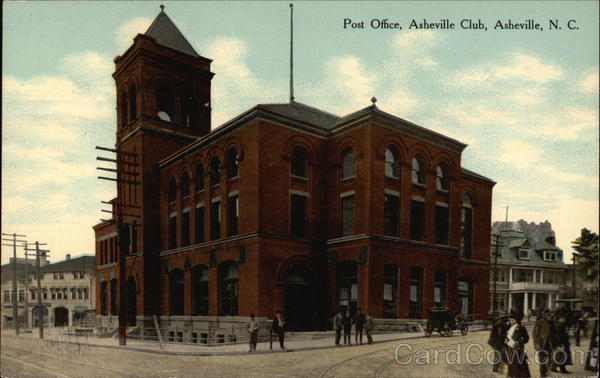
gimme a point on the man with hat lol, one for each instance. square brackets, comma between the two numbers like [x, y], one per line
[545, 340]
[498, 340]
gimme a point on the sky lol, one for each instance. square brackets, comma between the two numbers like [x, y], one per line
[525, 101]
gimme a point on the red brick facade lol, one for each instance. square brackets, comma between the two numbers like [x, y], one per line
[276, 270]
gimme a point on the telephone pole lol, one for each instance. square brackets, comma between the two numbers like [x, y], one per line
[40, 306]
[495, 283]
[15, 293]
[125, 164]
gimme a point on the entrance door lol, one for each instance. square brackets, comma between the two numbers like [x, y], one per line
[61, 317]
[131, 301]
[299, 306]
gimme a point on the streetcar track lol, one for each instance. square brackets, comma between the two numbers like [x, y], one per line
[51, 357]
[37, 367]
[339, 364]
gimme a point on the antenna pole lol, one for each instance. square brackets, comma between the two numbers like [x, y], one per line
[506, 219]
[291, 52]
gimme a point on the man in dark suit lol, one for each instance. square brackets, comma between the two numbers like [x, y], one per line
[278, 327]
[359, 325]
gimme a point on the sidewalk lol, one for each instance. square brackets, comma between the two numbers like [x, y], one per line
[294, 342]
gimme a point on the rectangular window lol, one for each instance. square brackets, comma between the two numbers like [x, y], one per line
[439, 288]
[467, 231]
[61, 276]
[441, 225]
[416, 284]
[173, 232]
[233, 213]
[133, 239]
[390, 290]
[200, 224]
[52, 294]
[185, 229]
[85, 293]
[524, 254]
[391, 211]
[114, 298]
[348, 215]
[298, 216]
[215, 220]
[6, 297]
[417, 220]
[45, 294]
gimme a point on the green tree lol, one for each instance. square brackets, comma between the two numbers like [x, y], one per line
[586, 253]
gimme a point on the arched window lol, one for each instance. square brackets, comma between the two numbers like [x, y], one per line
[176, 292]
[172, 190]
[391, 162]
[215, 171]
[200, 290]
[185, 184]
[347, 285]
[132, 103]
[228, 288]
[189, 108]
[199, 178]
[299, 163]
[442, 179]
[165, 102]
[123, 108]
[233, 164]
[467, 225]
[348, 168]
[418, 170]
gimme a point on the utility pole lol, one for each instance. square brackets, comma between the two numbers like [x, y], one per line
[125, 172]
[495, 291]
[40, 306]
[26, 288]
[14, 296]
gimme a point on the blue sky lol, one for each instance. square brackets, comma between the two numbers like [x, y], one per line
[526, 102]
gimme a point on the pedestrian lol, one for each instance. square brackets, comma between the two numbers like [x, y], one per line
[545, 341]
[498, 340]
[514, 353]
[562, 352]
[359, 326]
[347, 323]
[369, 326]
[337, 326]
[253, 333]
[278, 327]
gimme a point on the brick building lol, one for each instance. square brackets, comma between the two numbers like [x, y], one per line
[284, 206]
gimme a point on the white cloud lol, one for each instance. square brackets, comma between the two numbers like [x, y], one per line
[474, 116]
[236, 88]
[589, 83]
[127, 31]
[518, 154]
[518, 69]
[51, 96]
[563, 124]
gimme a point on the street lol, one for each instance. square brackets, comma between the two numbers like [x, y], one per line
[30, 357]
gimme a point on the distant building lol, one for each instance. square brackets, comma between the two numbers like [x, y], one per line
[584, 294]
[530, 273]
[68, 292]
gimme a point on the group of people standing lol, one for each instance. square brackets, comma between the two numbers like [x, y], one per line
[344, 320]
[550, 337]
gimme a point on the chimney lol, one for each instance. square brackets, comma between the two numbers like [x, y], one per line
[68, 256]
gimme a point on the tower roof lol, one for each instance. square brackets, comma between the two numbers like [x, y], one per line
[167, 34]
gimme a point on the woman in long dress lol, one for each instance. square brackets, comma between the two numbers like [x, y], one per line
[515, 356]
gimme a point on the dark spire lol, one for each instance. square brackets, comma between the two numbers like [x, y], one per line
[167, 34]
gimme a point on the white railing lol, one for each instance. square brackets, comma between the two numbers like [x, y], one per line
[534, 286]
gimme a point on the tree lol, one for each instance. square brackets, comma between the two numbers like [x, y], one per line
[586, 253]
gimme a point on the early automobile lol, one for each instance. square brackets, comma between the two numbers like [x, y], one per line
[444, 322]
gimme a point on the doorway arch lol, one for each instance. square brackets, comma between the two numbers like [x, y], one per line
[61, 317]
[299, 304]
